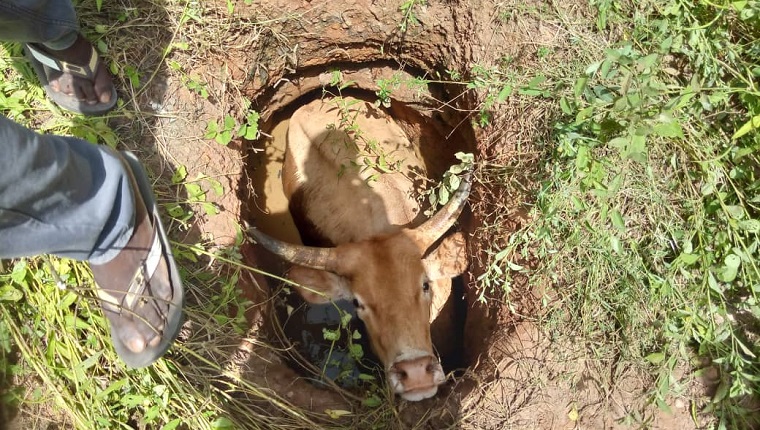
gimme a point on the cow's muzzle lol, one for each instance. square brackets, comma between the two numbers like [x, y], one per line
[416, 379]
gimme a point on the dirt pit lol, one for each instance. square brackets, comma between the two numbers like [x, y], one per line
[503, 371]
[302, 324]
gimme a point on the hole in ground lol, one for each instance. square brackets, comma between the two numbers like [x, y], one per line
[304, 325]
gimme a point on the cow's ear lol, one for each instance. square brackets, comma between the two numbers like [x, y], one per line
[319, 286]
[448, 260]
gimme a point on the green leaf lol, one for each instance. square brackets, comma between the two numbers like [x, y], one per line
[443, 195]
[721, 392]
[620, 142]
[605, 69]
[727, 274]
[372, 401]
[533, 92]
[591, 69]
[752, 124]
[210, 209]
[637, 150]
[465, 157]
[735, 211]
[616, 245]
[538, 80]
[655, 358]
[19, 272]
[669, 127]
[648, 61]
[174, 210]
[454, 182]
[195, 193]
[584, 114]
[582, 158]
[212, 128]
[229, 122]
[330, 335]
[68, 299]
[336, 413]
[102, 46]
[580, 85]
[223, 423]
[132, 400]
[10, 294]
[224, 138]
[617, 220]
[504, 93]
[744, 348]
[179, 175]
[750, 225]
[688, 259]
[116, 386]
[733, 261]
[664, 407]
[345, 319]
[356, 351]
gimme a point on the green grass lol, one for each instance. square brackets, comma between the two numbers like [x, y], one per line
[646, 219]
[644, 203]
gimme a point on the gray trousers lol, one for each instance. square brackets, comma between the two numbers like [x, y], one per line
[58, 195]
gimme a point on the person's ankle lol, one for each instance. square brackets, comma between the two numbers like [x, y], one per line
[64, 42]
[77, 52]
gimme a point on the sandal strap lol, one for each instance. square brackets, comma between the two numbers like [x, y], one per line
[139, 280]
[87, 71]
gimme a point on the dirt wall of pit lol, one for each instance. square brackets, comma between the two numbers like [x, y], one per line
[297, 56]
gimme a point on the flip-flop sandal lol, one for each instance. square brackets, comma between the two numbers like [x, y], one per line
[135, 288]
[43, 62]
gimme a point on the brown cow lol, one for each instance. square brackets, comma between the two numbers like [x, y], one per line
[366, 212]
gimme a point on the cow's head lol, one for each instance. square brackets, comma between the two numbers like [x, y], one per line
[391, 281]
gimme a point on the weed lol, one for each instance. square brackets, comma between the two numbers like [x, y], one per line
[452, 178]
[648, 212]
[409, 17]
[221, 133]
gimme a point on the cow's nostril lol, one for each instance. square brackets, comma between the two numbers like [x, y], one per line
[402, 375]
[430, 368]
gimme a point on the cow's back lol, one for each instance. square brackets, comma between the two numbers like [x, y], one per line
[338, 182]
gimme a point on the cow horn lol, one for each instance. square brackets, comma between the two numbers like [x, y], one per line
[432, 229]
[308, 256]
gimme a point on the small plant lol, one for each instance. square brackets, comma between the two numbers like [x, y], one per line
[355, 371]
[221, 133]
[195, 85]
[250, 129]
[440, 195]
[370, 154]
[385, 88]
[196, 194]
[409, 17]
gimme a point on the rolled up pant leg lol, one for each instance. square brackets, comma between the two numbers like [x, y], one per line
[50, 22]
[61, 195]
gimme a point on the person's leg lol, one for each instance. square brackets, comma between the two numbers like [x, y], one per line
[66, 63]
[61, 195]
[65, 196]
[50, 22]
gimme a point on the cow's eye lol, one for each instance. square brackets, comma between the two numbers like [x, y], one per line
[426, 286]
